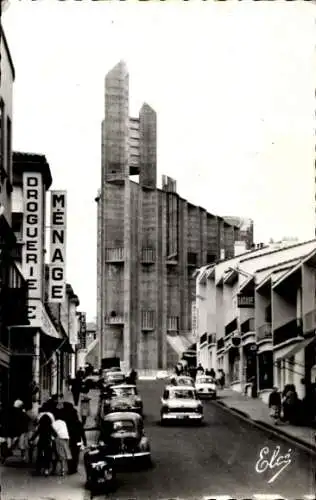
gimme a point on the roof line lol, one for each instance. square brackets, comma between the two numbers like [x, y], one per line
[281, 249]
[279, 264]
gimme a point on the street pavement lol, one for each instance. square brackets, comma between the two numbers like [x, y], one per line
[216, 459]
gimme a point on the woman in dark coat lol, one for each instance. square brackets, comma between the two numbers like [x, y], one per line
[76, 432]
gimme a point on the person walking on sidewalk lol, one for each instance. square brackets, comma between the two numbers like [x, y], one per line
[45, 435]
[76, 386]
[275, 405]
[62, 442]
[85, 410]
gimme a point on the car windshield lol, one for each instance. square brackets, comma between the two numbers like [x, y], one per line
[184, 381]
[123, 391]
[183, 394]
[115, 376]
[205, 380]
[123, 426]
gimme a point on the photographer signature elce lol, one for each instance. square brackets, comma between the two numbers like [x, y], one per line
[273, 460]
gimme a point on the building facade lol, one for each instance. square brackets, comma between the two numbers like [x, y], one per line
[256, 318]
[150, 240]
[14, 291]
[246, 229]
[43, 347]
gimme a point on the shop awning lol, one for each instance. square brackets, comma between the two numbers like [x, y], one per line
[294, 349]
[178, 343]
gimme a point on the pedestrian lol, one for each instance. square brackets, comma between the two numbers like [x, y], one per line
[133, 377]
[275, 405]
[85, 410]
[18, 426]
[199, 370]
[290, 403]
[75, 430]
[212, 373]
[62, 442]
[76, 386]
[45, 435]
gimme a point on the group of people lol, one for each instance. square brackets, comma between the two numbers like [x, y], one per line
[283, 407]
[55, 432]
[193, 372]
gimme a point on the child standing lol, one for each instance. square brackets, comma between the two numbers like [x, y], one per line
[62, 441]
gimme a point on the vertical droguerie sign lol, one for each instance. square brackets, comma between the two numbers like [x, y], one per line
[32, 254]
[57, 266]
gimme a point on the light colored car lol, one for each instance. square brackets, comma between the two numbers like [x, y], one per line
[205, 387]
[162, 375]
[180, 403]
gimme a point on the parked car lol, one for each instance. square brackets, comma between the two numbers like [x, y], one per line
[205, 387]
[184, 380]
[112, 378]
[124, 436]
[180, 403]
[162, 375]
[125, 397]
[98, 469]
[92, 381]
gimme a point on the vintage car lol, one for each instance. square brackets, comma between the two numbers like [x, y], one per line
[111, 378]
[205, 387]
[184, 380]
[99, 471]
[92, 381]
[124, 437]
[180, 403]
[125, 397]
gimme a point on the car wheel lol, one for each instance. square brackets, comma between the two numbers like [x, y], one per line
[148, 463]
[162, 421]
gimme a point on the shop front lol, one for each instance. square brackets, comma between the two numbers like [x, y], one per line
[234, 365]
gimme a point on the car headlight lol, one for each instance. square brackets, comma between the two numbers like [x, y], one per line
[199, 409]
[143, 445]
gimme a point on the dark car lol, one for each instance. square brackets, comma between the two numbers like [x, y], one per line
[125, 397]
[124, 437]
[99, 470]
[114, 377]
[92, 380]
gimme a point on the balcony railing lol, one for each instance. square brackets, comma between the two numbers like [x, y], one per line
[310, 321]
[148, 320]
[220, 344]
[247, 326]
[114, 255]
[211, 339]
[231, 327]
[290, 330]
[264, 332]
[148, 256]
[203, 338]
[173, 324]
[115, 319]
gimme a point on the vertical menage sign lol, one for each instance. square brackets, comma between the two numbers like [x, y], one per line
[57, 266]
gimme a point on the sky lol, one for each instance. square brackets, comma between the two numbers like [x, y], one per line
[233, 85]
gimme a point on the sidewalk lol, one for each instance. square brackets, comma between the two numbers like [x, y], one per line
[257, 411]
[18, 483]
